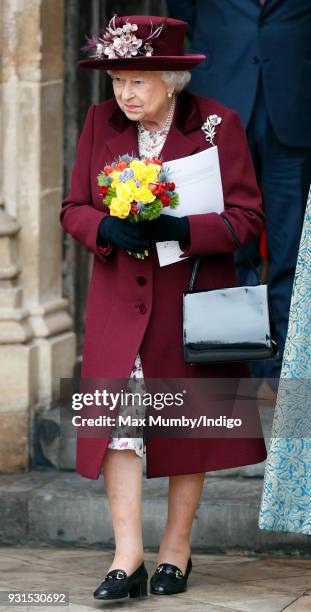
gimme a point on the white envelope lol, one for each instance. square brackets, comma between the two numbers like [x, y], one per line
[198, 184]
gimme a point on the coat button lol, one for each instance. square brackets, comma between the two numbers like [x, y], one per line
[141, 280]
[142, 308]
[255, 59]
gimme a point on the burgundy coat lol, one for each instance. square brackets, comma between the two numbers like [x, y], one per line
[134, 305]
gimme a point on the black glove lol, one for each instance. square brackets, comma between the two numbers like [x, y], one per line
[125, 234]
[166, 227]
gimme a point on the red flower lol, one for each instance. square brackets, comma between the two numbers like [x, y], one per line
[104, 190]
[165, 199]
[156, 188]
[121, 165]
[134, 207]
[153, 160]
[171, 186]
[160, 190]
[153, 187]
[108, 170]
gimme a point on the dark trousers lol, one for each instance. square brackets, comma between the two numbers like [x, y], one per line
[284, 175]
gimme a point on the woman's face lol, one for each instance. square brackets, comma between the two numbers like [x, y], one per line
[142, 95]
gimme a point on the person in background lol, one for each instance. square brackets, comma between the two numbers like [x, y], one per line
[286, 496]
[259, 63]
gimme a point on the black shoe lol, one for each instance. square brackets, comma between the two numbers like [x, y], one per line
[169, 579]
[118, 584]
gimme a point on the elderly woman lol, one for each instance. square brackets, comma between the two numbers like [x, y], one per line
[134, 309]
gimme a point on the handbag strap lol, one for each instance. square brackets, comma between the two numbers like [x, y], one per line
[198, 259]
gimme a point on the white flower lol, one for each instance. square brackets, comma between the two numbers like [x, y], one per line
[215, 120]
[126, 45]
[110, 52]
[209, 127]
[99, 50]
[126, 28]
[149, 49]
[130, 27]
[122, 42]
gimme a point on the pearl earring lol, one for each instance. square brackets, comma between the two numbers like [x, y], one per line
[170, 94]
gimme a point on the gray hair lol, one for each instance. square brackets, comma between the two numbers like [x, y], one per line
[176, 78]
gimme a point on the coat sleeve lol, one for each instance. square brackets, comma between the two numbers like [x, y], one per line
[78, 216]
[242, 197]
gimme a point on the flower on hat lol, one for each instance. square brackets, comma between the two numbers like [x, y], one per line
[149, 49]
[121, 42]
[124, 45]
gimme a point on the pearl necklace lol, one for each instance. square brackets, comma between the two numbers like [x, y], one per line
[151, 142]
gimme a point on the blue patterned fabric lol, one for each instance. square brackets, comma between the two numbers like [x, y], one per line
[286, 498]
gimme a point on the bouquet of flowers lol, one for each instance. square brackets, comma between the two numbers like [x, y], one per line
[136, 190]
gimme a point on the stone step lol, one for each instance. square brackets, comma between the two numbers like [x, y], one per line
[52, 508]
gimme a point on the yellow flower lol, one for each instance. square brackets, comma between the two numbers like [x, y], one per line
[144, 195]
[119, 208]
[153, 170]
[149, 174]
[126, 191]
[139, 169]
[115, 178]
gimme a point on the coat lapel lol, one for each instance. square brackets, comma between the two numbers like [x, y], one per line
[178, 145]
[124, 142]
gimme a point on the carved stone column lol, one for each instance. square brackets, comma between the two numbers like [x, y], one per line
[37, 344]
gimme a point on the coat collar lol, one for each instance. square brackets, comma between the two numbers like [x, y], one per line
[181, 139]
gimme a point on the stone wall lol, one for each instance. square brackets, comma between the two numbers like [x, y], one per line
[37, 344]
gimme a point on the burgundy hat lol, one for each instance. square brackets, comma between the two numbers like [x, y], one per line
[140, 42]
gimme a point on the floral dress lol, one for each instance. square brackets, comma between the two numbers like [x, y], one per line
[286, 497]
[133, 443]
[137, 443]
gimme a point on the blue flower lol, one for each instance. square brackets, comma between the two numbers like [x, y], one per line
[163, 175]
[126, 175]
[126, 158]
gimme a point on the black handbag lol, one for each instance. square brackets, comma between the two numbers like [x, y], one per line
[226, 325]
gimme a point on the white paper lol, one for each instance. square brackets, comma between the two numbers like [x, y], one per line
[198, 184]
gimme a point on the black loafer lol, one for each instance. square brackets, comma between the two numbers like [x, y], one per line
[169, 579]
[118, 584]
